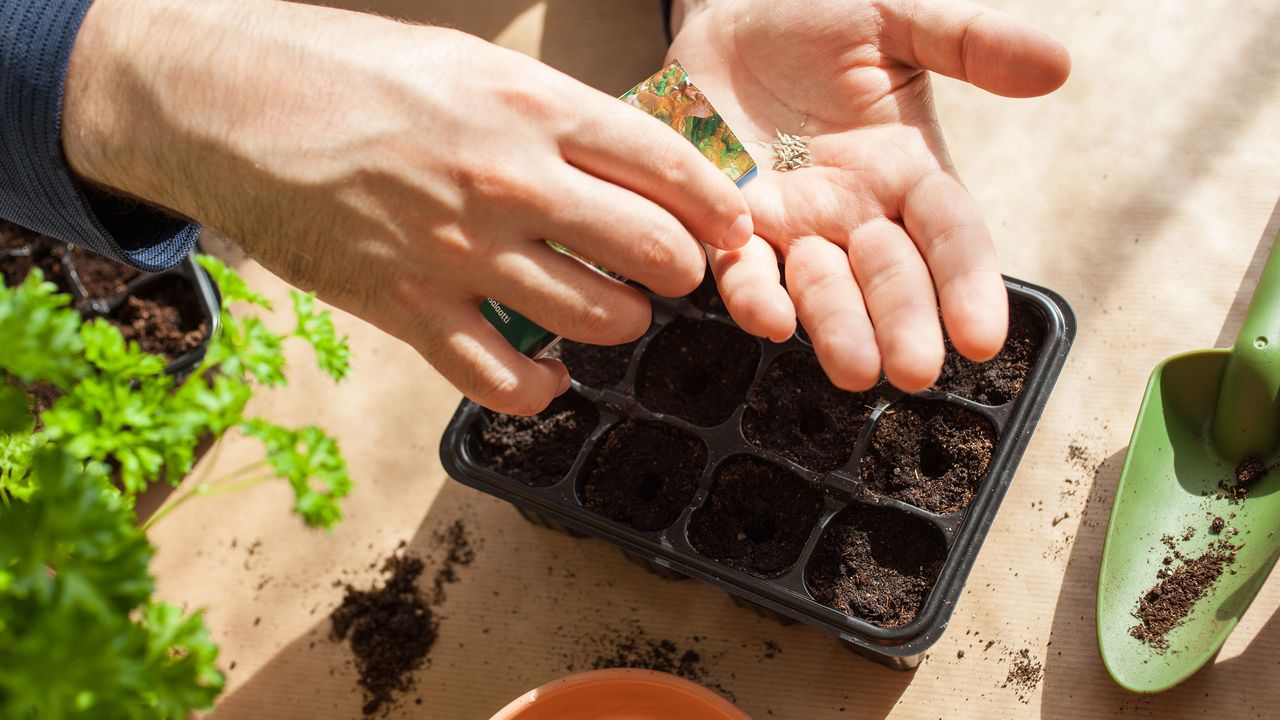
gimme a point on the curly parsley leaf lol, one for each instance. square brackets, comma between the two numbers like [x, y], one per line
[312, 463]
[316, 327]
[84, 640]
[233, 287]
[40, 333]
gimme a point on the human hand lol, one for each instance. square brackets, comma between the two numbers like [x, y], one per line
[880, 218]
[404, 173]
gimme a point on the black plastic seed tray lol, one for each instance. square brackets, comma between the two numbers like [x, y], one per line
[833, 498]
[84, 275]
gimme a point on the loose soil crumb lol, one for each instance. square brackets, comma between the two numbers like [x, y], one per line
[391, 630]
[634, 648]
[1001, 379]
[598, 366]
[1025, 674]
[43, 253]
[1216, 526]
[697, 370]
[164, 318]
[795, 411]
[771, 649]
[758, 517]
[930, 454]
[1168, 603]
[538, 450]
[877, 564]
[644, 474]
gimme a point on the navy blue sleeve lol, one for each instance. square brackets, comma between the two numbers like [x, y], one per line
[37, 189]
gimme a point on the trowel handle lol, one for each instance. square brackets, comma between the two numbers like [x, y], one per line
[1247, 420]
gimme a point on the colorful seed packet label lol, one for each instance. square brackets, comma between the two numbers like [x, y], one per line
[671, 97]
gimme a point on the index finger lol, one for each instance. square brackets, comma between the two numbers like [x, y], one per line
[623, 145]
[969, 42]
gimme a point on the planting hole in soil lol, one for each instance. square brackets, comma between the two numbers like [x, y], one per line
[876, 564]
[758, 517]
[930, 454]
[644, 474]
[164, 318]
[698, 371]
[100, 276]
[1001, 379]
[795, 411]
[537, 450]
[597, 366]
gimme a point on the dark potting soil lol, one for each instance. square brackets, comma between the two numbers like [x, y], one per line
[930, 454]
[758, 517]
[393, 627]
[707, 296]
[698, 371]
[1025, 674]
[164, 318]
[1000, 379]
[391, 630]
[100, 276]
[13, 237]
[598, 366]
[877, 564]
[644, 474]
[1249, 471]
[794, 410]
[45, 254]
[538, 450]
[1168, 603]
[634, 648]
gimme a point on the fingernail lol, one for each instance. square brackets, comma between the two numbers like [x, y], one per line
[564, 385]
[738, 233]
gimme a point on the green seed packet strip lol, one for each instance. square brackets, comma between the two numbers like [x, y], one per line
[671, 97]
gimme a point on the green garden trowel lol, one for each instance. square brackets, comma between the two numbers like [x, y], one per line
[1204, 411]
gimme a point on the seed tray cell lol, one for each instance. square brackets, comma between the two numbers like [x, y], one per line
[857, 513]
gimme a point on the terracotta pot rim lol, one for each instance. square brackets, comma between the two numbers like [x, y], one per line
[578, 681]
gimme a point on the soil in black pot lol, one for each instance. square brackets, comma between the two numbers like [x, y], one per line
[794, 410]
[13, 236]
[598, 366]
[877, 564]
[698, 371]
[930, 454]
[538, 450]
[707, 297]
[644, 474]
[165, 318]
[758, 517]
[45, 254]
[1001, 379]
[100, 276]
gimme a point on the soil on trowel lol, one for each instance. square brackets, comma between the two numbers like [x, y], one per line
[644, 474]
[1000, 379]
[930, 454]
[538, 450]
[877, 564]
[795, 411]
[1168, 603]
[758, 517]
[698, 371]
[598, 366]
[164, 318]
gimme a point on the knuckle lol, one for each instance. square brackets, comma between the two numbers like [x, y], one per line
[500, 390]
[493, 182]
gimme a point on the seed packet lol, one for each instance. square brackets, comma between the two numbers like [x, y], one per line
[671, 97]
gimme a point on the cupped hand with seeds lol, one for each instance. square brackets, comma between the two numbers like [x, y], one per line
[872, 222]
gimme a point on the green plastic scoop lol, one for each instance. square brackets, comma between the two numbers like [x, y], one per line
[1203, 412]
